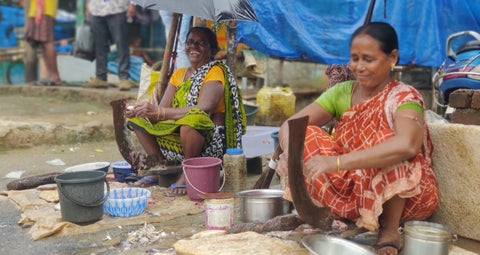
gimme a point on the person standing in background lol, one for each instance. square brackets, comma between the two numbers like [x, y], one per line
[181, 58]
[108, 22]
[39, 33]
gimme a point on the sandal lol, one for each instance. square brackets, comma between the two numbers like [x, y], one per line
[131, 178]
[171, 192]
[46, 82]
[145, 182]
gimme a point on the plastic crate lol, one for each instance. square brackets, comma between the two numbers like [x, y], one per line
[8, 38]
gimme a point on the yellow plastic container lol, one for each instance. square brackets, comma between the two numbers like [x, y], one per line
[275, 105]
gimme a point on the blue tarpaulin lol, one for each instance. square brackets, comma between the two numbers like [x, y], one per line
[10, 18]
[320, 30]
[134, 71]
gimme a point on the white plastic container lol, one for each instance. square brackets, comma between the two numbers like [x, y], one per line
[219, 213]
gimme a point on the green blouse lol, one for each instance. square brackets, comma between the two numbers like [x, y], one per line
[337, 99]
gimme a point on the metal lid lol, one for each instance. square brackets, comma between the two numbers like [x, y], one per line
[234, 151]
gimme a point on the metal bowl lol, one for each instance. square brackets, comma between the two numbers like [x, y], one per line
[260, 205]
[94, 166]
[319, 244]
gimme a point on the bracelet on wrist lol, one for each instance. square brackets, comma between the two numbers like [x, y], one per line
[338, 163]
[158, 113]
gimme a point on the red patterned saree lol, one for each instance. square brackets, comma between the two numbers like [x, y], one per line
[358, 194]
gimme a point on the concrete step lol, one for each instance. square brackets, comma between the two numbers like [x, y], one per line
[31, 115]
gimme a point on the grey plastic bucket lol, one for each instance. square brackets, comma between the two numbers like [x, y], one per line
[82, 195]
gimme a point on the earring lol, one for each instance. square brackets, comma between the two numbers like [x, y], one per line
[392, 67]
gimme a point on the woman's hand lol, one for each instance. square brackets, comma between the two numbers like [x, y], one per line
[129, 111]
[147, 110]
[143, 110]
[312, 169]
[318, 165]
[282, 164]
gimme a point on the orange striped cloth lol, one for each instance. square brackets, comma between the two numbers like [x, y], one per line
[358, 194]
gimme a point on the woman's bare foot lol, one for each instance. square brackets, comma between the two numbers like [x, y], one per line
[388, 241]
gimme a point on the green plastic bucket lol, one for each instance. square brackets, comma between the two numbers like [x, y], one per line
[81, 195]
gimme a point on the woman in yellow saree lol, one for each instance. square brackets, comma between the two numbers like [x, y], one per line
[200, 114]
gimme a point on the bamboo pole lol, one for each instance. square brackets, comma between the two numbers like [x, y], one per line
[199, 22]
[164, 71]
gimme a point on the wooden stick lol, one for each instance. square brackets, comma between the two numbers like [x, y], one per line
[266, 177]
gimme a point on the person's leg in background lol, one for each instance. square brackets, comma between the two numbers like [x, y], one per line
[30, 56]
[100, 32]
[40, 34]
[50, 54]
[117, 24]
[50, 58]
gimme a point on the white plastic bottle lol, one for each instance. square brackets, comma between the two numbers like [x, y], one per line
[235, 169]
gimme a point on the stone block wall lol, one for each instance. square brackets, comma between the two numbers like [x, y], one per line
[467, 106]
[456, 161]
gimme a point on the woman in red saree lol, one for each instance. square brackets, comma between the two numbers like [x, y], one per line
[376, 168]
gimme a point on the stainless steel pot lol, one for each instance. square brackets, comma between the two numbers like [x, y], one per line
[320, 244]
[421, 237]
[260, 205]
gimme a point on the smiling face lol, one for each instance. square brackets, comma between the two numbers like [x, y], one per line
[370, 65]
[197, 49]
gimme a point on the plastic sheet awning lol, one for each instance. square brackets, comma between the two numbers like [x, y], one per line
[320, 30]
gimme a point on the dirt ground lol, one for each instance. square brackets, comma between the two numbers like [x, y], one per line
[82, 111]
[15, 240]
[46, 111]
